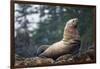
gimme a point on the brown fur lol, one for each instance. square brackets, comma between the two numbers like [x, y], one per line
[70, 41]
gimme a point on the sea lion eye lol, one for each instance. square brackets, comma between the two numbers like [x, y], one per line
[73, 20]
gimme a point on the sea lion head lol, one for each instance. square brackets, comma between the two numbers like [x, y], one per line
[72, 23]
[70, 30]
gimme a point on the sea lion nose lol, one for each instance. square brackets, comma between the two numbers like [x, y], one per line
[76, 18]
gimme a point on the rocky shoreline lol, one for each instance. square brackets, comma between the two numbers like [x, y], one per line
[87, 57]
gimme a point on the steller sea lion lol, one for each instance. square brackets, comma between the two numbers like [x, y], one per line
[70, 43]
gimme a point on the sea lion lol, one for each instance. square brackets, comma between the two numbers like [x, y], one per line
[70, 43]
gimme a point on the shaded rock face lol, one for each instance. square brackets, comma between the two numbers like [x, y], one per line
[70, 43]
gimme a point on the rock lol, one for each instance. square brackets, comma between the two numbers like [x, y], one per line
[70, 60]
[19, 58]
[37, 61]
[91, 53]
[64, 57]
[19, 63]
[60, 62]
